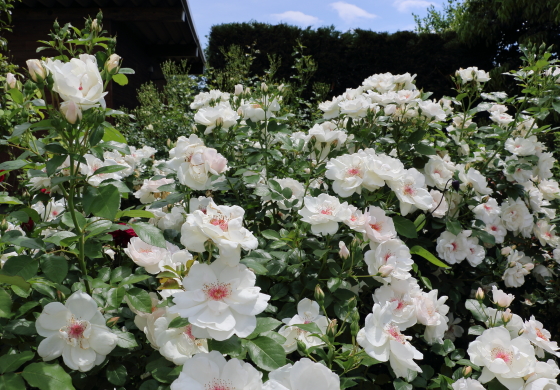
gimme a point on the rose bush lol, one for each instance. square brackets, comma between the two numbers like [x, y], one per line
[263, 254]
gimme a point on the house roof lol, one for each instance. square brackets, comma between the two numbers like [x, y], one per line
[164, 26]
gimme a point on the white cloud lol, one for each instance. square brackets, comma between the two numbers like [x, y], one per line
[406, 5]
[350, 12]
[297, 17]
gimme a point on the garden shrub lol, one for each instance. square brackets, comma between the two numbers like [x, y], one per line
[384, 239]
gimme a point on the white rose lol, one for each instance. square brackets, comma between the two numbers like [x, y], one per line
[303, 375]
[220, 300]
[308, 312]
[75, 330]
[78, 80]
[382, 339]
[211, 371]
[503, 358]
[323, 213]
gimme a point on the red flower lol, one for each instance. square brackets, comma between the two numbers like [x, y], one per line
[44, 191]
[3, 176]
[28, 226]
[122, 237]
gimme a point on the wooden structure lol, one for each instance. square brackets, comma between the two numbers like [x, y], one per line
[148, 33]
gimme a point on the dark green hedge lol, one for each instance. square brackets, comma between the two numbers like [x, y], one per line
[346, 59]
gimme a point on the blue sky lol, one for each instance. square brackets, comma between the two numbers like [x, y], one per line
[376, 15]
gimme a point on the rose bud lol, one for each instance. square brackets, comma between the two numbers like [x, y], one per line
[238, 90]
[113, 63]
[36, 70]
[11, 80]
[71, 111]
[344, 252]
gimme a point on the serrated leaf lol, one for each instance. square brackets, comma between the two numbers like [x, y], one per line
[311, 327]
[116, 374]
[231, 346]
[266, 353]
[109, 169]
[23, 266]
[149, 234]
[178, 322]
[125, 340]
[139, 299]
[47, 377]
[264, 324]
[54, 267]
[271, 235]
[120, 79]
[476, 309]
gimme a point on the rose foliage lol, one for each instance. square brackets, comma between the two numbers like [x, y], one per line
[395, 241]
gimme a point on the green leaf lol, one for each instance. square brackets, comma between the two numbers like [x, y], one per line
[418, 250]
[56, 148]
[115, 297]
[425, 149]
[126, 71]
[271, 235]
[120, 79]
[106, 203]
[4, 199]
[11, 381]
[5, 310]
[476, 330]
[231, 346]
[21, 327]
[264, 324]
[10, 363]
[334, 283]
[23, 266]
[16, 95]
[399, 384]
[134, 214]
[477, 310]
[125, 340]
[47, 377]
[178, 322]
[109, 169]
[311, 327]
[257, 267]
[13, 165]
[116, 374]
[484, 236]
[140, 299]
[68, 221]
[133, 279]
[266, 353]
[96, 135]
[149, 234]
[405, 227]
[112, 134]
[17, 281]
[54, 267]
[454, 226]
[54, 163]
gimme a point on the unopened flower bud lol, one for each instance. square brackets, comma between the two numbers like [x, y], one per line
[238, 90]
[113, 63]
[385, 270]
[506, 316]
[319, 295]
[36, 70]
[479, 294]
[219, 121]
[506, 250]
[3, 226]
[332, 329]
[344, 252]
[354, 328]
[281, 87]
[71, 111]
[247, 91]
[512, 264]
[11, 80]
[301, 346]
[264, 87]
[467, 370]
[95, 26]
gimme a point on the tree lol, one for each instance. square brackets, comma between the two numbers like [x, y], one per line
[505, 24]
[439, 22]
